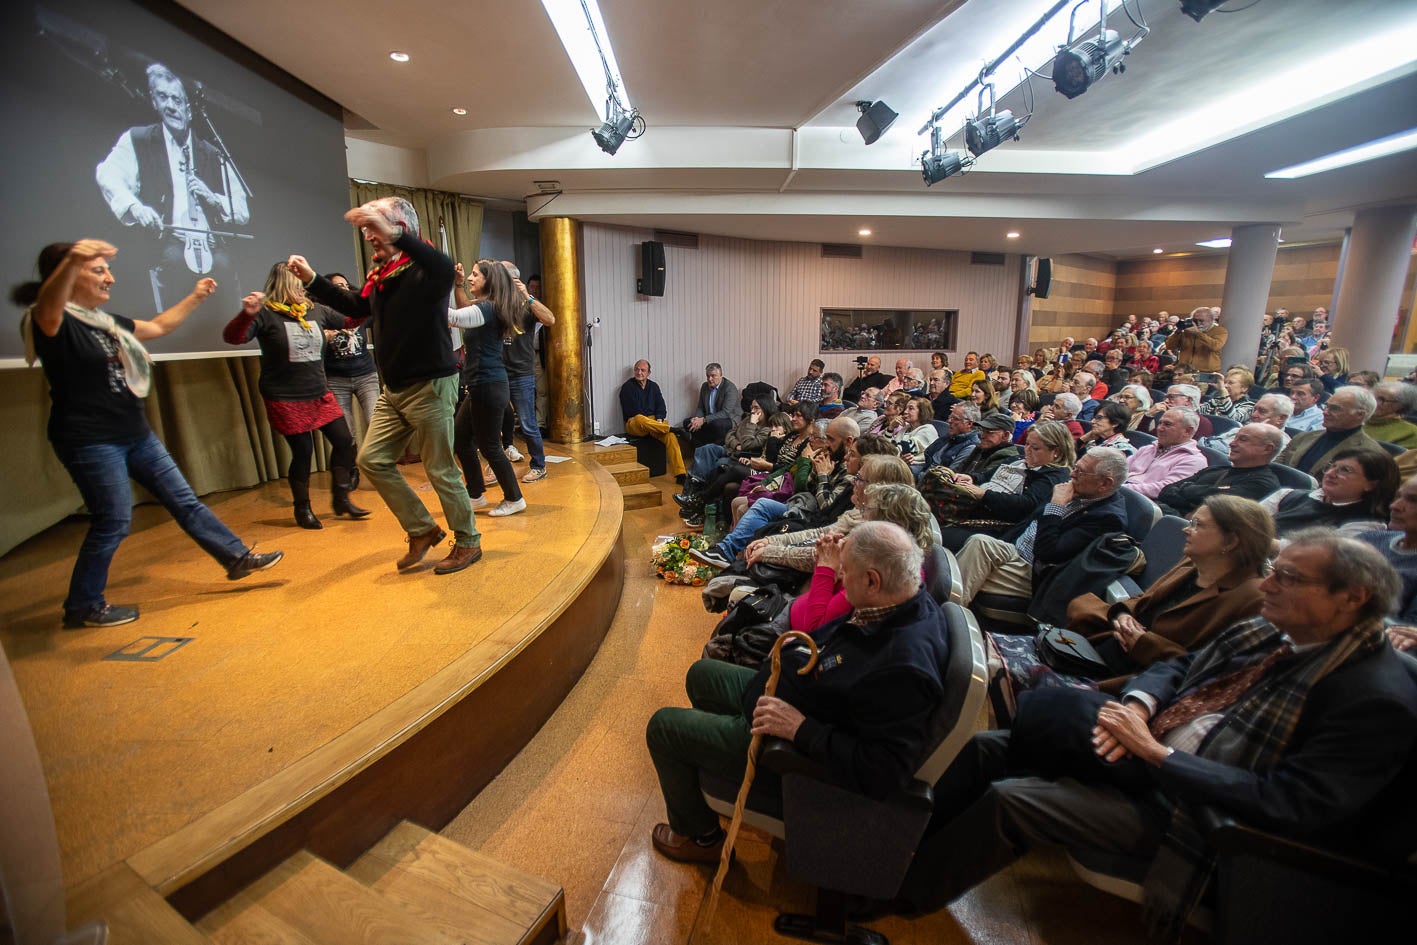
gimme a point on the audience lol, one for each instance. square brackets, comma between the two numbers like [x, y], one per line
[870, 376]
[993, 449]
[1398, 544]
[1343, 418]
[1064, 410]
[719, 408]
[1186, 396]
[1234, 403]
[951, 450]
[963, 380]
[1352, 496]
[1174, 456]
[1248, 476]
[809, 386]
[1109, 428]
[1015, 490]
[1137, 400]
[983, 395]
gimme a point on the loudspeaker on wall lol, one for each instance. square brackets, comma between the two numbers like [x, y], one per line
[1042, 277]
[651, 281]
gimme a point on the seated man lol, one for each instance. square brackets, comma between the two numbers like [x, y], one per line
[963, 381]
[995, 448]
[1081, 509]
[719, 407]
[1173, 457]
[902, 379]
[808, 387]
[867, 407]
[1388, 423]
[864, 713]
[831, 405]
[1313, 718]
[951, 450]
[870, 376]
[1248, 476]
[1178, 395]
[1343, 418]
[643, 406]
[1308, 415]
[1273, 410]
[1081, 385]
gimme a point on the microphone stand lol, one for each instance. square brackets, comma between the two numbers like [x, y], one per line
[590, 373]
[228, 165]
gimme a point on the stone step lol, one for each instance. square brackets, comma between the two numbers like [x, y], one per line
[306, 901]
[627, 474]
[641, 495]
[135, 913]
[462, 892]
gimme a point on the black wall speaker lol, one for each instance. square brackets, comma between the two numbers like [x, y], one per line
[651, 281]
[1042, 277]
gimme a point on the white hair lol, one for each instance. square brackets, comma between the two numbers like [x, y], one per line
[1069, 402]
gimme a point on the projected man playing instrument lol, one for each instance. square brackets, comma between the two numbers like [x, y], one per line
[176, 186]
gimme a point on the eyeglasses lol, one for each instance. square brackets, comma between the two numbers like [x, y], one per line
[1195, 524]
[1289, 578]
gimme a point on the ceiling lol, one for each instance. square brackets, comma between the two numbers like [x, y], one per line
[750, 112]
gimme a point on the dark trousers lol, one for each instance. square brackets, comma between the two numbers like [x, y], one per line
[302, 452]
[713, 431]
[478, 427]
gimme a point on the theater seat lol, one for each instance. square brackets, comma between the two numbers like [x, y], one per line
[1219, 425]
[942, 576]
[1291, 478]
[843, 842]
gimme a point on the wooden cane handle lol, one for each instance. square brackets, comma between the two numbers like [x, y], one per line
[811, 663]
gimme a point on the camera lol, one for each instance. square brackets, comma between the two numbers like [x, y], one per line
[861, 361]
[1185, 323]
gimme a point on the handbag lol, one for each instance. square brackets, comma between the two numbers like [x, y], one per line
[1070, 653]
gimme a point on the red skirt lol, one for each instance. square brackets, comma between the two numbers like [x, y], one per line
[289, 417]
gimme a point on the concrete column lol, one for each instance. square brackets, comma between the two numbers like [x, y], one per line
[1370, 288]
[565, 357]
[1249, 271]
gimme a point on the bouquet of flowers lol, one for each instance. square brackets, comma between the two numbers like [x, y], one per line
[670, 557]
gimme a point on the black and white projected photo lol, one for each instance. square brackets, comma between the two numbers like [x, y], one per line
[127, 126]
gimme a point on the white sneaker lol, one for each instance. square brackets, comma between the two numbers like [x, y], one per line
[535, 475]
[514, 454]
[479, 503]
[507, 507]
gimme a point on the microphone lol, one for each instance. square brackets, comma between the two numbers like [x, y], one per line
[199, 96]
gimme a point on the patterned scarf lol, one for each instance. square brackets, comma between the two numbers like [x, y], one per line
[295, 310]
[1252, 734]
[137, 363]
[377, 277]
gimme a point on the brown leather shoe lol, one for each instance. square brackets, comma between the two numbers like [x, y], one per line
[418, 546]
[460, 557]
[685, 849]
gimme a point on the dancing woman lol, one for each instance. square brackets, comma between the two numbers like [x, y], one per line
[98, 373]
[291, 332]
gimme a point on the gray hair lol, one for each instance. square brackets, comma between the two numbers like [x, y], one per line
[1111, 463]
[1187, 390]
[901, 505]
[713, 366]
[1404, 394]
[834, 377]
[1189, 417]
[874, 393]
[1362, 397]
[1069, 402]
[1273, 437]
[1090, 378]
[819, 428]
[157, 72]
[1142, 395]
[1283, 404]
[969, 411]
[399, 212]
[511, 268]
[889, 550]
[1354, 564]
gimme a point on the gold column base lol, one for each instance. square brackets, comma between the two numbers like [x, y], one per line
[565, 362]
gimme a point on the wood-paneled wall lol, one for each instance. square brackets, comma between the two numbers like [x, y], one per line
[1303, 280]
[756, 307]
[1080, 303]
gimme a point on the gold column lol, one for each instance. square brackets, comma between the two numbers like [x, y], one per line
[565, 361]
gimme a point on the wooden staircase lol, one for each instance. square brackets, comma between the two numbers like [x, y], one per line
[413, 887]
[632, 476]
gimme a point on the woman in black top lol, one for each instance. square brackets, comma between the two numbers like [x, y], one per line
[98, 373]
[291, 331]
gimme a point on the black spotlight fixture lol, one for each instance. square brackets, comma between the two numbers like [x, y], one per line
[1079, 65]
[613, 131]
[1197, 9]
[936, 164]
[987, 131]
[876, 118]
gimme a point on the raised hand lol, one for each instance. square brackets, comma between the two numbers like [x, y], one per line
[85, 250]
[251, 304]
[204, 288]
[300, 267]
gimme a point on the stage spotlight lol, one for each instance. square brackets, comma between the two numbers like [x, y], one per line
[936, 167]
[612, 132]
[1197, 9]
[986, 132]
[1077, 67]
[876, 118]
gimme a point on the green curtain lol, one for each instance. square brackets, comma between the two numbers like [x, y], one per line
[207, 411]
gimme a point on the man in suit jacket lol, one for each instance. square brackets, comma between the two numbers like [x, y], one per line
[1344, 415]
[1081, 509]
[719, 408]
[1312, 745]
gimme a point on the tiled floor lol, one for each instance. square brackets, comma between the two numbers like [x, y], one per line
[576, 807]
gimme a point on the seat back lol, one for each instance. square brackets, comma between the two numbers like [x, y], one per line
[1219, 425]
[942, 576]
[1214, 457]
[942, 429]
[1291, 478]
[1142, 513]
[1392, 448]
[1162, 548]
[966, 683]
[1139, 439]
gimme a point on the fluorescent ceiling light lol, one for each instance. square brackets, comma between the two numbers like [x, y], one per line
[1392, 144]
[568, 16]
[1222, 243]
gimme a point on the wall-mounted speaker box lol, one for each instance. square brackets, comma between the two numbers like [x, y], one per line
[1043, 277]
[651, 281]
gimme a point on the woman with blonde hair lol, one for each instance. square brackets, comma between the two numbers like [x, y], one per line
[1333, 367]
[1017, 489]
[290, 330]
[1235, 401]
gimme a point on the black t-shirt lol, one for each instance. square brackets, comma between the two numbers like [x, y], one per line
[348, 355]
[519, 353]
[89, 400]
[292, 357]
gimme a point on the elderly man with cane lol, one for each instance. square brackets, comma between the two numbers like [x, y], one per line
[863, 712]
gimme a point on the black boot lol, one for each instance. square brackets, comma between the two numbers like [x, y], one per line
[342, 488]
[689, 502]
[304, 517]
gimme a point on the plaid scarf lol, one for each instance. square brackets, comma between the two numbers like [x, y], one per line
[1252, 734]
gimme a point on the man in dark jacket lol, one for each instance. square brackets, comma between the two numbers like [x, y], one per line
[995, 448]
[1248, 476]
[1081, 509]
[864, 713]
[963, 439]
[719, 407]
[870, 376]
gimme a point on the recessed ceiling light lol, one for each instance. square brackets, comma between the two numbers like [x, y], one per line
[1221, 243]
[460, 112]
[1158, 250]
[863, 232]
[397, 56]
[1012, 234]
[1382, 147]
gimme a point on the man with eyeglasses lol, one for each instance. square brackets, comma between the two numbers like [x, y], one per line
[867, 405]
[1248, 476]
[1389, 424]
[1343, 418]
[1306, 393]
[1174, 456]
[1272, 410]
[1301, 720]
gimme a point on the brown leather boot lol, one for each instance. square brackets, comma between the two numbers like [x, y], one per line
[418, 546]
[460, 557]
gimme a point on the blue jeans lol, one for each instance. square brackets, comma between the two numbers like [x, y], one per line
[706, 459]
[101, 471]
[523, 390]
[759, 514]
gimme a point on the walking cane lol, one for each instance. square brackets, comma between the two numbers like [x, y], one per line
[752, 768]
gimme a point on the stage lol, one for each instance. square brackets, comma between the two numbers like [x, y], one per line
[313, 705]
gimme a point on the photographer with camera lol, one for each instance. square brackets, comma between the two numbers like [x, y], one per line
[1197, 342]
[868, 374]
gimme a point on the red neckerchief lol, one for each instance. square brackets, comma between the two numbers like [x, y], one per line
[387, 271]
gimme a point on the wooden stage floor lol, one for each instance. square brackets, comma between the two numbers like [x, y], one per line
[295, 679]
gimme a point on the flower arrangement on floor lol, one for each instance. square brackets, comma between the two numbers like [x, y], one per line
[671, 560]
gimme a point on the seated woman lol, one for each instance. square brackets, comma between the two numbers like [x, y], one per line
[871, 460]
[1333, 368]
[1016, 490]
[1109, 428]
[787, 479]
[983, 396]
[723, 482]
[1353, 496]
[1398, 544]
[1235, 403]
[1143, 359]
[919, 433]
[1216, 585]
[1023, 406]
[1137, 400]
[825, 600]
[891, 423]
[744, 440]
